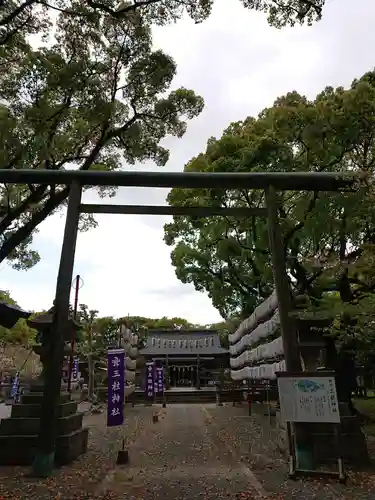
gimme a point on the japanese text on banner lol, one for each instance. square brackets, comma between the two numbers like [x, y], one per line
[75, 369]
[116, 387]
[149, 389]
[160, 379]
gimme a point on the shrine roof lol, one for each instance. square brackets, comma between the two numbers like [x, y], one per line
[183, 342]
[10, 314]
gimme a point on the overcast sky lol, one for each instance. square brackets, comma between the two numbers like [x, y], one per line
[239, 65]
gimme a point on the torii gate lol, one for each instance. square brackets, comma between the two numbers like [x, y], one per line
[74, 180]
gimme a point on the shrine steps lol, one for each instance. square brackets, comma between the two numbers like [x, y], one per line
[19, 432]
[184, 396]
[27, 426]
[33, 410]
[21, 449]
[37, 397]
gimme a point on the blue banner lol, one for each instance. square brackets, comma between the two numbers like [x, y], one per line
[14, 392]
[150, 375]
[160, 379]
[116, 387]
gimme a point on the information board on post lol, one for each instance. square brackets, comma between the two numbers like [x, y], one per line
[149, 386]
[308, 397]
[116, 387]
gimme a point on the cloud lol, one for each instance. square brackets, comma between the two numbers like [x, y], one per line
[239, 65]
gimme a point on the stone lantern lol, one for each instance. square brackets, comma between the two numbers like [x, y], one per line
[19, 432]
[43, 325]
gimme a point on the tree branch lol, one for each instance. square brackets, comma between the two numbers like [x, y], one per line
[15, 12]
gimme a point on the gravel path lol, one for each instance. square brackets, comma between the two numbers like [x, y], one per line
[252, 439]
[183, 458]
[192, 452]
[81, 479]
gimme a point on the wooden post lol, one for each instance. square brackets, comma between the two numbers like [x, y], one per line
[284, 298]
[45, 456]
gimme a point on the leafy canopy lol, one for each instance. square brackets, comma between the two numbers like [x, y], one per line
[95, 97]
[89, 93]
[325, 235]
[27, 17]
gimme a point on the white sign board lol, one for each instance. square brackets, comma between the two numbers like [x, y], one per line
[308, 399]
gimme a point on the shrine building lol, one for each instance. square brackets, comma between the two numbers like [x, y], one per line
[191, 358]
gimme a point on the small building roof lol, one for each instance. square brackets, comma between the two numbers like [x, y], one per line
[182, 342]
[10, 314]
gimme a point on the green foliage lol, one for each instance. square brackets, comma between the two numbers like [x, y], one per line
[288, 12]
[98, 334]
[92, 95]
[96, 96]
[21, 18]
[138, 323]
[326, 236]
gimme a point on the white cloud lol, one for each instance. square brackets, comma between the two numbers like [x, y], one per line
[126, 269]
[240, 65]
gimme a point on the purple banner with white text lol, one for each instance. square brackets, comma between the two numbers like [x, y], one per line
[116, 387]
[149, 387]
[160, 380]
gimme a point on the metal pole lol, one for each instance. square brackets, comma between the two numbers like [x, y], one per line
[288, 330]
[78, 277]
[45, 456]
[73, 341]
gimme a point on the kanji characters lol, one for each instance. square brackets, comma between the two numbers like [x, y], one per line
[116, 386]
[116, 398]
[116, 362]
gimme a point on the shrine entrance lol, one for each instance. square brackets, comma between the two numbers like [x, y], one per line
[182, 375]
[69, 184]
[190, 358]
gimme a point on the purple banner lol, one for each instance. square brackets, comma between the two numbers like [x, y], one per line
[75, 369]
[149, 387]
[116, 387]
[160, 379]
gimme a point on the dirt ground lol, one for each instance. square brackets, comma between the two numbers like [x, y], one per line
[192, 451]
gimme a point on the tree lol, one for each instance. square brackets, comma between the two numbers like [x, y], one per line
[98, 335]
[25, 17]
[62, 105]
[142, 323]
[325, 235]
[95, 98]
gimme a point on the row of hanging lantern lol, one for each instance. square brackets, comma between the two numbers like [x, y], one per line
[183, 368]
